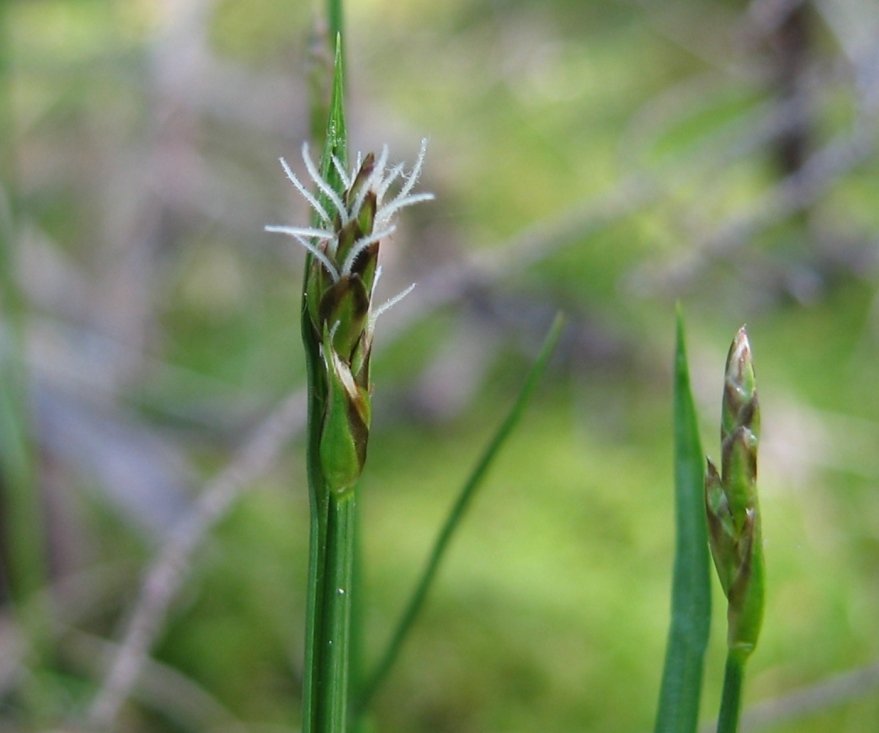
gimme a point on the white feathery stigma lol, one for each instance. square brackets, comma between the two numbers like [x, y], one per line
[322, 241]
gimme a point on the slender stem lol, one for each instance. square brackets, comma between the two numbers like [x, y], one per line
[453, 521]
[731, 702]
[317, 529]
[21, 511]
[357, 647]
[335, 17]
[336, 613]
[330, 579]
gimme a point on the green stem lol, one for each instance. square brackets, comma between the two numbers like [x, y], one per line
[317, 529]
[453, 521]
[334, 650]
[731, 702]
[334, 16]
[330, 578]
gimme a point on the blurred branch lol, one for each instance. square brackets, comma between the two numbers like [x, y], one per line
[794, 194]
[810, 700]
[798, 91]
[161, 687]
[165, 575]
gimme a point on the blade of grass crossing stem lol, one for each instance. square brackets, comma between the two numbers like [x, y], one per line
[453, 521]
[331, 521]
[681, 685]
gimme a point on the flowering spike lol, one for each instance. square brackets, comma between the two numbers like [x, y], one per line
[345, 305]
[340, 284]
[370, 172]
[733, 512]
[345, 427]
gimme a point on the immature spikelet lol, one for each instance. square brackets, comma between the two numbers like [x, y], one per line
[340, 286]
[733, 511]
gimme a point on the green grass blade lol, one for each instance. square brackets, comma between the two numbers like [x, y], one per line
[681, 686]
[21, 516]
[22, 519]
[454, 520]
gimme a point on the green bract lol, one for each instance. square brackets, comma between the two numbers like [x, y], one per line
[340, 285]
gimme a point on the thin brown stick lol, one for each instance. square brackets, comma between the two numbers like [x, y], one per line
[167, 572]
[810, 700]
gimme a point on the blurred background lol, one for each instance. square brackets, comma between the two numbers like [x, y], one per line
[604, 158]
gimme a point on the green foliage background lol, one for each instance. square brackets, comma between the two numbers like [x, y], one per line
[617, 139]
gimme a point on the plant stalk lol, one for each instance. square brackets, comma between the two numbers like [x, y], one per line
[731, 701]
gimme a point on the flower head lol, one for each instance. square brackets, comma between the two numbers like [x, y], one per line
[733, 511]
[351, 220]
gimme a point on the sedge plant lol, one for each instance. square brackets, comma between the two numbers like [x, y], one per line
[352, 213]
[353, 210]
[734, 523]
[716, 513]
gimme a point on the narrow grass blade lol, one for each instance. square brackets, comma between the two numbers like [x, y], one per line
[681, 686]
[22, 521]
[335, 611]
[21, 517]
[454, 520]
